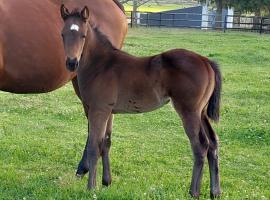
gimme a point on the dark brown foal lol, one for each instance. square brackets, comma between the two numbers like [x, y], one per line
[112, 81]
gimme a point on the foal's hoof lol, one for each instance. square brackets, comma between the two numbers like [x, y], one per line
[81, 171]
[194, 195]
[215, 195]
[91, 186]
[106, 183]
[80, 176]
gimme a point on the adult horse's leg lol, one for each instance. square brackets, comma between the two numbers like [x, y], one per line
[199, 143]
[106, 144]
[98, 119]
[1, 66]
[212, 156]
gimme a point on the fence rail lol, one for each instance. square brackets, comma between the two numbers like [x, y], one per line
[200, 21]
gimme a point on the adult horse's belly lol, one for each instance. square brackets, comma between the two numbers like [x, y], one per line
[31, 52]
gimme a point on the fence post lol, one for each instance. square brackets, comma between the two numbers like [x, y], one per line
[147, 23]
[173, 19]
[261, 25]
[131, 19]
[225, 23]
[160, 19]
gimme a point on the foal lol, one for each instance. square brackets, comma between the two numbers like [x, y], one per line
[112, 81]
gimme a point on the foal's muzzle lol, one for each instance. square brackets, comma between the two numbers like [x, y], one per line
[72, 64]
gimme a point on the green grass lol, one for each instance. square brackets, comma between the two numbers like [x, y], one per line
[42, 136]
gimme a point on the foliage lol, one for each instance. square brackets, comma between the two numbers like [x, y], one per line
[243, 5]
[252, 5]
[42, 136]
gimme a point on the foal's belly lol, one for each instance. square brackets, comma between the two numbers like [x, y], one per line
[139, 105]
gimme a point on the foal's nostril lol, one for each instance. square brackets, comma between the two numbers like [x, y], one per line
[72, 64]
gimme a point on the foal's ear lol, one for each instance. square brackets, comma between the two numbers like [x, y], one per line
[85, 13]
[64, 12]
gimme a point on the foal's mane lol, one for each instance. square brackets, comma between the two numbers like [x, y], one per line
[102, 38]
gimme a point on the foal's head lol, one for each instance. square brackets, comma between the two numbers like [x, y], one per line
[74, 34]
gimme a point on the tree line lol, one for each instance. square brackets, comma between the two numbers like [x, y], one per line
[258, 7]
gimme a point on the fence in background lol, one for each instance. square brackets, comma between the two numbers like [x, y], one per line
[199, 21]
[248, 23]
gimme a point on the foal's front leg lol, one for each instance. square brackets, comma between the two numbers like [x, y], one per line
[98, 119]
[106, 144]
[83, 166]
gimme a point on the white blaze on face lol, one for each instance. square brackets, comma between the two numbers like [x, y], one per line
[74, 27]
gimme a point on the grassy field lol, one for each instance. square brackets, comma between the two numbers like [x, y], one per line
[42, 136]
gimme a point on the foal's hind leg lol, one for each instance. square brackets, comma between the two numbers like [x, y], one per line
[106, 144]
[199, 143]
[212, 156]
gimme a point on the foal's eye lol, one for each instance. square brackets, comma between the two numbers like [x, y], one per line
[83, 36]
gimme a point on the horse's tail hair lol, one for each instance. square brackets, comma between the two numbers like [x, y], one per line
[213, 108]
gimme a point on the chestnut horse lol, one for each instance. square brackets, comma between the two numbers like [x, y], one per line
[122, 83]
[31, 52]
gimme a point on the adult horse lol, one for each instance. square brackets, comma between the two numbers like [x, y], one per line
[31, 49]
[31, 52]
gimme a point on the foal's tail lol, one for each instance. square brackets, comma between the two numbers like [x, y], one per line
[214, 102]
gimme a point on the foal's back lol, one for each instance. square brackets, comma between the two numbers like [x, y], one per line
[145, 84]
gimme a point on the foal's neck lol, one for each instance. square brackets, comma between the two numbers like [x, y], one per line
[98, 45]
[99, 51]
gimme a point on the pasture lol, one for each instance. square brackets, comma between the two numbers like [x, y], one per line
[42, 136]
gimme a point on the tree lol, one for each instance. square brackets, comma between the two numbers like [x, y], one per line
[135, 5]
[220, 4]
[256, 6]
